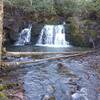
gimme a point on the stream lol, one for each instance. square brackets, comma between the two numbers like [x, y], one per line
[65, 71]
[61, 79]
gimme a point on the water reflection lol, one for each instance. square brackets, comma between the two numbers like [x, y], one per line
[33, 48]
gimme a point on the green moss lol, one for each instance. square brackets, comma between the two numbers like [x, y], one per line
[87, 21]
[2, 87]
[7, 86]
[93, 33]
[3, 96]
[11, 85]
[76, 36]
[78, 40]
[51, 20]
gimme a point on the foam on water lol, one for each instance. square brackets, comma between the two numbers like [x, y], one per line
[24, 36]
[53, 36]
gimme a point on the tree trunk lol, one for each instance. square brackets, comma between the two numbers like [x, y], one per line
[18, 54]
[1, 26]
[7, 64]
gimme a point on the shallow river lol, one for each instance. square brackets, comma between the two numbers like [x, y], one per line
[61, 79]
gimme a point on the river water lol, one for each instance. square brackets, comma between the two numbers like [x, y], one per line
[61, 79]
[34, 48]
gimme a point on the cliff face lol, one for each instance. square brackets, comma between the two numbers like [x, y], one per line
[83, 31]
[15, 19]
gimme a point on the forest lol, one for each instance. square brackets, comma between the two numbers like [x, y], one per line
[49, 49]
[82, 15]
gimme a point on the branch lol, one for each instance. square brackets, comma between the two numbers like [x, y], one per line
[46, 59]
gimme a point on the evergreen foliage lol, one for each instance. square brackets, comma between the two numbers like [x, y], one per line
[63, 6]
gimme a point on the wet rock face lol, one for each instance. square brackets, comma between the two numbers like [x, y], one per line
[47, 97]
[79, 32]
[16, 19]
[84, 32]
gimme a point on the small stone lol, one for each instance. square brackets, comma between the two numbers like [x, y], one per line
[46, 97]
[50, 89]
[52, 98]
[98, 89]
[60, 65]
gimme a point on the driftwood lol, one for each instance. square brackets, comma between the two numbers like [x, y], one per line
[18, 54]
[1, 26]
[45, 59]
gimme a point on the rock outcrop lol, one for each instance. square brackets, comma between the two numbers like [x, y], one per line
[80, 30]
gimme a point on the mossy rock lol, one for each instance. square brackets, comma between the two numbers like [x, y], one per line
[78, 40]
[88, 22]
[74, 26]
[11, 85]
[7, 86]
[3, 96]
[2, 87]
[92, 33]
[76, 36]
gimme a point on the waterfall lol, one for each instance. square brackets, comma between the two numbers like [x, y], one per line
[53, 36]
[24, 36]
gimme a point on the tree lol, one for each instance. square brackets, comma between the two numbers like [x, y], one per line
[1, 26]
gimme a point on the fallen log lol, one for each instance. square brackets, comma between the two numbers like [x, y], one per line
[45, 59]
[35, 53]
[40, 53]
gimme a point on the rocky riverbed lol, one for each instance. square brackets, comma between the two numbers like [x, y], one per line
[75, 78]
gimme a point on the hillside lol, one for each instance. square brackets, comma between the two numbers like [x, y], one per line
[82, 17]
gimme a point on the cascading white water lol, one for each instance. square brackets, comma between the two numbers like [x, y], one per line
[24, 36]
[53, 36]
